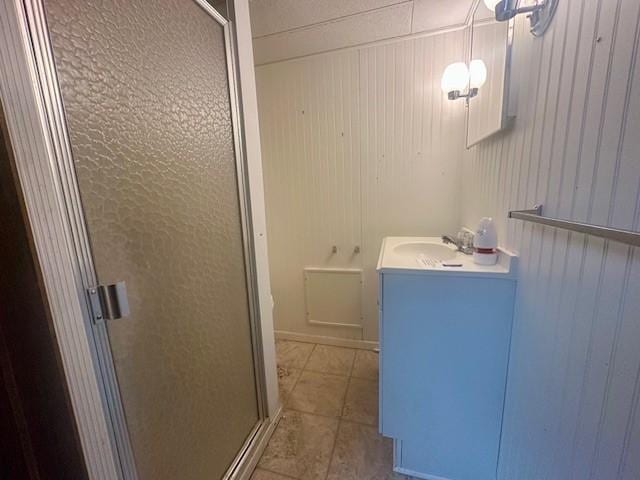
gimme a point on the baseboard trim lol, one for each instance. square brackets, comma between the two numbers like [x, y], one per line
[252, 455]
[333, 341]
[411, 473]
[397, 455]
[332, 324]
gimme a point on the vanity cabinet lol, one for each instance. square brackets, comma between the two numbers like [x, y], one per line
[444, 341]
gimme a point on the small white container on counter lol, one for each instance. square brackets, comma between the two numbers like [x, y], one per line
[485, 242]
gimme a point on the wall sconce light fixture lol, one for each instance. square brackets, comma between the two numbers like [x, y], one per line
[539, 13]
[458, 78]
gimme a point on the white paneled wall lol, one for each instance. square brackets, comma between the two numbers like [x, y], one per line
[309, 119]
[574, 377]
[412, 140]
[357, 145]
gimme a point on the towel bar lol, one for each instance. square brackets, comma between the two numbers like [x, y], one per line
[535, 215]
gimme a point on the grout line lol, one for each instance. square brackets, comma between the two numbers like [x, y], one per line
[274, 472]
[333, 450]
[327, 373]
[309, 357]
[346, 392]
[333, 417]
[349, 377]
[340, 418]
[344, 402]
[354, 350]
[365, 378]
[355, 422]
[353, 363]
[295, 384]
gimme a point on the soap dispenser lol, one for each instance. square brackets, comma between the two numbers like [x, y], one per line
[485, 242]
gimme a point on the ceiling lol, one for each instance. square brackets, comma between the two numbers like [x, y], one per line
[284, 29]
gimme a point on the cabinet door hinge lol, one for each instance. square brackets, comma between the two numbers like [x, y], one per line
[108, 302]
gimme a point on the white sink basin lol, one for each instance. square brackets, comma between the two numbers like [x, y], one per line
[429, 256]
[432, 251]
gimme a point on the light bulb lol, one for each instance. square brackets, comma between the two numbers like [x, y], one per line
[491, 4]
[455, 77]
[477, 73]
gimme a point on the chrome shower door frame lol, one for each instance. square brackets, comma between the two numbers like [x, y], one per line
[77, 241]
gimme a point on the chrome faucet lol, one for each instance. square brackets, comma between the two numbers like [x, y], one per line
[463, 242]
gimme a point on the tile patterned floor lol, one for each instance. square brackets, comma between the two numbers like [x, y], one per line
[328, 430]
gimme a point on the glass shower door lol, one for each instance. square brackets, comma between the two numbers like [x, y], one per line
[146, 94]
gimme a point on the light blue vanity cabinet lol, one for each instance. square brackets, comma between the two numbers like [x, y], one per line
[444, 339]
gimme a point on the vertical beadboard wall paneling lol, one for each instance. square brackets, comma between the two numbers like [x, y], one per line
[412, 143]
[574, 375]
[308, 116]
[381, 147]
[626, 212]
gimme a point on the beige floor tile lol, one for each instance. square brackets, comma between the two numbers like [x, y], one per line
[366, 365]
[301, 446]
[293, 354]
[266, 475]
[287, 378]
[361, 404]
[361, 453]
[328, 359]
[320, 393]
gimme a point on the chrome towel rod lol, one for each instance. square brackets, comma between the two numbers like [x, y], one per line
[535, 215]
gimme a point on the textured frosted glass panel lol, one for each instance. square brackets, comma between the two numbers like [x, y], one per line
[145, 90]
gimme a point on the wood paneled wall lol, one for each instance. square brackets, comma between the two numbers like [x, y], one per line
[357, 145]
[574, 380]
[574, 376]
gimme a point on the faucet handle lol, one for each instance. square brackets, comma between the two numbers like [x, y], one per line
[465, 238]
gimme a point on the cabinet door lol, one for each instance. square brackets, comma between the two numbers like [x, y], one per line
[445, 346]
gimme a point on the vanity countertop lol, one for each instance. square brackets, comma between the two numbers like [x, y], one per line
[430, 256]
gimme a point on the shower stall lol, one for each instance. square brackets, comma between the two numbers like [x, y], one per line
[142, 108]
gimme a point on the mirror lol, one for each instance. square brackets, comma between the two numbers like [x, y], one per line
[490, 54]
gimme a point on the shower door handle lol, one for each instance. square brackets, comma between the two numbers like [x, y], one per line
[109, 302]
